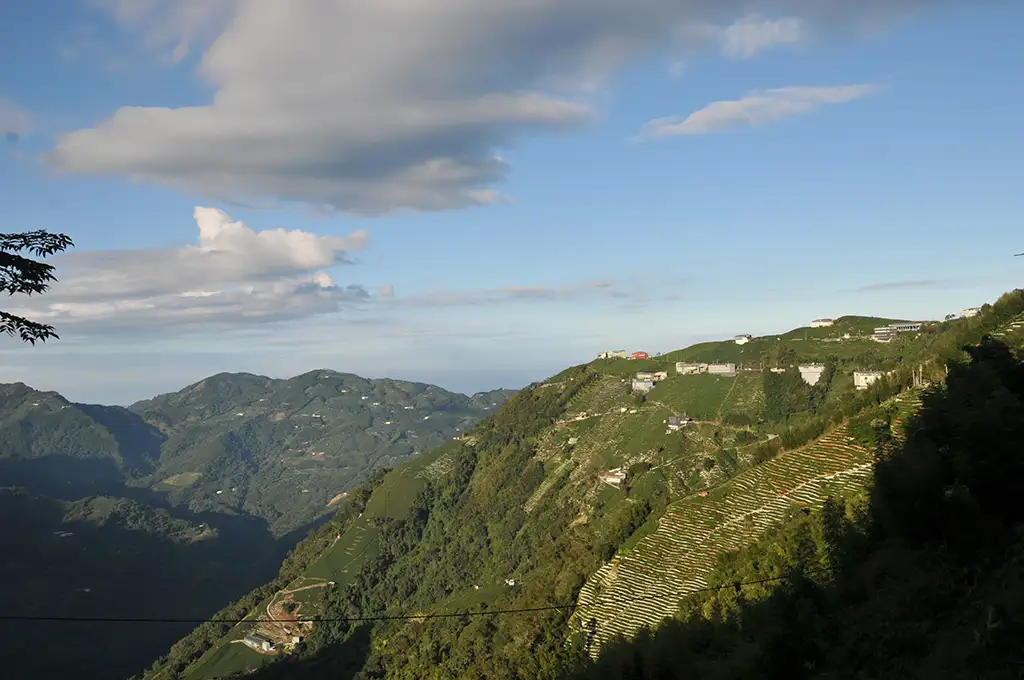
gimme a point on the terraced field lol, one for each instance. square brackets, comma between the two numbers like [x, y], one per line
[645, 585]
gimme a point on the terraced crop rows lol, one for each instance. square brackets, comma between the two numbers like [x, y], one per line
[440, 467]
[675, 559]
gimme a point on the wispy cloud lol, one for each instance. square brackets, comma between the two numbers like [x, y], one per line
[757, 108]
[14, 121]
[753, 34]
[899, 285]
[588, 290]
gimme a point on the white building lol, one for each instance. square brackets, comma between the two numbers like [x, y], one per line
[863, 379]
[643, 385]
[742, 339]
[970, 311]
[684, 368]
[811, 373]
[258, 643]
[822, 323]
[676, 423]
[652, 375]
[613, 354]
[722, 369]
[613, 477]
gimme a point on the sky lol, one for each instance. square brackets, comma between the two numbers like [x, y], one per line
[478, 195]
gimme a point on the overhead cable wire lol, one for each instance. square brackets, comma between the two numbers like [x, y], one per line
[403, 617]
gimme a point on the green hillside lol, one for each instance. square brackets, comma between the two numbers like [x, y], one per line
[120, 507]
[526, 512]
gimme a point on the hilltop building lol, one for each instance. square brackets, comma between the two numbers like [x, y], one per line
[970, 311]
[822, 323]
[863, 379]
[887, 333]
[811, 373]
[742, 339]
[613, 354]
[643, 385]
[722, 369]
[684, 368]
[652, 375]
[639, 355]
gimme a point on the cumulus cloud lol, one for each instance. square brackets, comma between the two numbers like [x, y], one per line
[232, 276]
[372, 107]
[757, 108]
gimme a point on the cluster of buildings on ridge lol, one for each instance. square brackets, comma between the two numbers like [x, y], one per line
[644, 381]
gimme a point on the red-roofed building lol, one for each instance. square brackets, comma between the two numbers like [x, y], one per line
[640, 355]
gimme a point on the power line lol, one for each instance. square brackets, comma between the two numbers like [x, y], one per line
[402, 617]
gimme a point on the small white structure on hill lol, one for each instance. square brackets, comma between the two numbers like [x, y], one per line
[970, 311]
[676, 423]
[722, 369]
[652, 375]
[684, 368]
[643, 385]
[742, 339]
[258, 643]
[811, 373]
[613, 477]
[863, 379]
[822, 323]
[613, 354]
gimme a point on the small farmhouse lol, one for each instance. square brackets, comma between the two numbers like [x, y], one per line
[639, 355]
[684, 368]
[643, 385]
[652, 375]
[613, 477]
[863, 379]
[970, 311]
[742, 339]
[722, 369]
[613, 354]
[676, 423]
[822, 323]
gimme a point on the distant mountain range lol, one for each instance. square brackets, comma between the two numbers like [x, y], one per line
[176, 505]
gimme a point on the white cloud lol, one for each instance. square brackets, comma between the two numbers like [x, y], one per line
[371, 107]
[757, 108]
[589, 290]
[232, 276]
[753, 34]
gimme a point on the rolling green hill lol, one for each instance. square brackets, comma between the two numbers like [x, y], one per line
[577, 492]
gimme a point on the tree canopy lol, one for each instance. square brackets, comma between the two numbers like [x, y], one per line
[20, 274]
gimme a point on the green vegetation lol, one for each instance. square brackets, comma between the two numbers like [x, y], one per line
[523, 500]
[921, 579]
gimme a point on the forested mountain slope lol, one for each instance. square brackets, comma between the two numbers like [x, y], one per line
[116, 512]
[574, 486]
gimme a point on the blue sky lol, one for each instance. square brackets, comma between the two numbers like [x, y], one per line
[487, 195]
